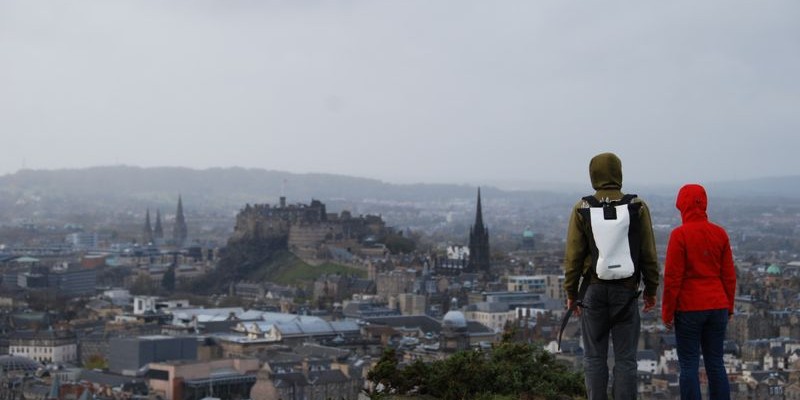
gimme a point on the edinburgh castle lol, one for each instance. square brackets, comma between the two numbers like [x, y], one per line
[310, 232]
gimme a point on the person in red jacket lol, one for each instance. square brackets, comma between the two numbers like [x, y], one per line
[699, 286]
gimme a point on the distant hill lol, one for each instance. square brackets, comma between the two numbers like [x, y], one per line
[785, 186]
[221, 187]
[772, 187]
[115, 188]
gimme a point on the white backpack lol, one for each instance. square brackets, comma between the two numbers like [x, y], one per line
[614, 228]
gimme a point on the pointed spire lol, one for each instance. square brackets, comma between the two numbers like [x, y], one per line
[148, 230]
[158, 231]
[479, 213]
[180, 233]
[179, 212]
[479, 242]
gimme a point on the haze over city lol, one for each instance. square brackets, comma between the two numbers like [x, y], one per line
[409, 91]
[352, 199]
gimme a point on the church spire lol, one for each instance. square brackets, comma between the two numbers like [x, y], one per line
[180, 232]
[158, 231]
[479, 213]
[147, 232]
[479, 242]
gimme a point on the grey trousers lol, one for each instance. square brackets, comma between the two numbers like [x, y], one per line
[603, 302]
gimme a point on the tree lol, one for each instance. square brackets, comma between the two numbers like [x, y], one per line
[168, 280]
[508, 370]
[143, 285]
[384, 375]
[95, 361]
[398, 244]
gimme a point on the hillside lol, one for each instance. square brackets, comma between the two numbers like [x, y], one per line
[216, 188]
[241, 185]
[103, 196]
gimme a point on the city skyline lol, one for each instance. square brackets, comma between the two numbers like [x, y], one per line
[404, 92]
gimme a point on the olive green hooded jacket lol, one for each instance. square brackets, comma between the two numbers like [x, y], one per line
[605, 171]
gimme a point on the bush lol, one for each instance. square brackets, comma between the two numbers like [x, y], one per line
[507, 371]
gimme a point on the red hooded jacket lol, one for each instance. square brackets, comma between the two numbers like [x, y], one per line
[698, 272]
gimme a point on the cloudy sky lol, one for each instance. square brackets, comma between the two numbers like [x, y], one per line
[405, 91]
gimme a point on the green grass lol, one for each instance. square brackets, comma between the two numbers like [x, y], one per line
[287, 269]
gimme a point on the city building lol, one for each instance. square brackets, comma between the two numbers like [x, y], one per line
[230, 378]
[455, 261]
[83, 240]
[128, 354]
[73, 280]
[479, 256]
[46, 346]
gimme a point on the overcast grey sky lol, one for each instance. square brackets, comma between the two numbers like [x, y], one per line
[405, 91]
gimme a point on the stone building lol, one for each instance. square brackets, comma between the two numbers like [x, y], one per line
[335, 287]
[412, 304]
[44, 346]
[750, 326]
[308, 230]
[454, 334]
[308, 372]
[455, 262]
[225, 378]
[180, 232]
[154, 235]
[266, 221]
[474, 258]
[479, 243]
[395, 282]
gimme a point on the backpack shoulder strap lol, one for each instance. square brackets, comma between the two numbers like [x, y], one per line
[627, 199]
[593, 202]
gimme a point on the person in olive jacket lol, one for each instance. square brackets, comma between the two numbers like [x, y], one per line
[609, 307]
[699, 286]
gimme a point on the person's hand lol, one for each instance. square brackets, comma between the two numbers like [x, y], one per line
[669, 325]
[649, 303]
[572, 305]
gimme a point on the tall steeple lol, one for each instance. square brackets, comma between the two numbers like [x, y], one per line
[158, 231]
[479, 213]
[180, 232]
[478, 242]
[147, 232]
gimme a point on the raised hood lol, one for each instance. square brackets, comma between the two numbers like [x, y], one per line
[692, 203]
[605, 171]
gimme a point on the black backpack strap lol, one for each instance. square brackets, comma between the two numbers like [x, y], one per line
[626, 199]
[593, 202]
[634, 239]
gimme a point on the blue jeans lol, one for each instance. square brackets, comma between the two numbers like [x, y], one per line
[696, 330]
[609, 310]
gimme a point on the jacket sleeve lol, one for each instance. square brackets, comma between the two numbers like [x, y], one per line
[674, 266]
[728, 274]
[575, 253]
[648, 258]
